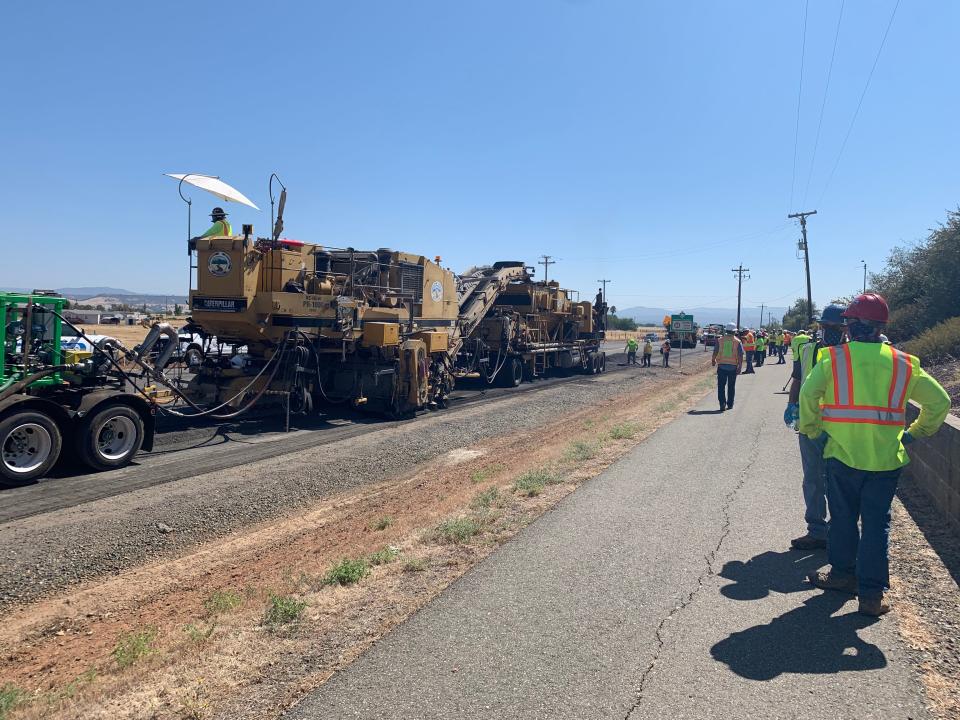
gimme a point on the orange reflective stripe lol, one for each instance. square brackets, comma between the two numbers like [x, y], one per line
[902, 372]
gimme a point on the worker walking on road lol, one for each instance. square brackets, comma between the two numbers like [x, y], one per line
[783, 340]
[665, 351]
[631, 350]
[811, 452]
[761, 349]
[857, 395]
[728, 359]
[647, 353]
[749, 348]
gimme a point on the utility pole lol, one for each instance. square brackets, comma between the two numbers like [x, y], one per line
[864, 275]
[806, 257]
[762, 306]
[546, 262]
[740, 271]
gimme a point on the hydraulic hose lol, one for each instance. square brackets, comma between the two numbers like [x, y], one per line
[12, 388]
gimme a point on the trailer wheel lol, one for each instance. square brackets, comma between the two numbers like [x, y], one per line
[30, 444]
[602, 359]
[110, 437]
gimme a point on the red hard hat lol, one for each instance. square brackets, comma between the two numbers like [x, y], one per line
[868, 306]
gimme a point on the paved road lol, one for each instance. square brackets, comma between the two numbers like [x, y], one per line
[666, 594]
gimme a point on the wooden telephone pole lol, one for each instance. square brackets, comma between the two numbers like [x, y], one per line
[806, 257]
[740, 271]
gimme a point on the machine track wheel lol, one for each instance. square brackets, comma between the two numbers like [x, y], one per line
[110, 437]
[30, 444]
[512, 373]
[193, 357]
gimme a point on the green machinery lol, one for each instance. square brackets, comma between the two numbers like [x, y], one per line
[54, 399]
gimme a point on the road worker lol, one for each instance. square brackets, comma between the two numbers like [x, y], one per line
[811, 453]
[761, 349]
[802, 337]
[665, 351]
[857, 394]
[647, 353]
[631, 350]
[785, 340]
[728, 359]
[749, 349]
[220, 224]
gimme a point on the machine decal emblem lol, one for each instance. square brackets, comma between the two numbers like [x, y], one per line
[219, 264]
[436, 291]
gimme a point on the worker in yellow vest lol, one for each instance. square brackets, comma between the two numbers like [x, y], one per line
[220, 225]
[631, 350]
[728, 359]
[761, 349]
[749, 348]
[811, 453]
[857, 394]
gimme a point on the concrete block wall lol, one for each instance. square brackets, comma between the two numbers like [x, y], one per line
[935, 467]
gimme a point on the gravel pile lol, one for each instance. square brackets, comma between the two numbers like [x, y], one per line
[45, 553]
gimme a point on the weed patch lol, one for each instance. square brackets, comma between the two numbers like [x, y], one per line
[383, 523]
[198, 634]
[222, 601]
[457, 530]
[478, 476]
[282, 610]
[624, 431]
[133, 646]
[10, 697]
[415, 565]
[581, 450]
[383, 557]
[532, 482]
[483, 500]
[347, 572]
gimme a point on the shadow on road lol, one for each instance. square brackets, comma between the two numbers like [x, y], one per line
[809, 639]
[782, 572]
[704, 412]
[936, 531]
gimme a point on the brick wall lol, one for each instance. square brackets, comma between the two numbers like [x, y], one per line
[935, 467]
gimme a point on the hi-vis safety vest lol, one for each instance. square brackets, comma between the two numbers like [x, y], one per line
[729, 352]
[761, 344]
[220, 227]
[809, 352]
[632, 344]
[749, 343]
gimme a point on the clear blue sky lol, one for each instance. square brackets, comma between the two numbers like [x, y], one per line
[651, 143]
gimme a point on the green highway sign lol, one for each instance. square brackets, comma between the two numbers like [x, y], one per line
[681, 323]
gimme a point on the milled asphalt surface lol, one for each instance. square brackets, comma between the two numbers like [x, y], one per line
[664, 588]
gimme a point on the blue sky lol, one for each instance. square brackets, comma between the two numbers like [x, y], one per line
[651, 143]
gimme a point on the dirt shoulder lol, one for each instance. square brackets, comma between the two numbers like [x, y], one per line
[243, 624]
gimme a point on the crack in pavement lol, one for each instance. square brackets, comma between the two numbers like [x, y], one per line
[709, 571]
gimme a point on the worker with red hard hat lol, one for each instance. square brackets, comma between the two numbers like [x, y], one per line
[857, 395]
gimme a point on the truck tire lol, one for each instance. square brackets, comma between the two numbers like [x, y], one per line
[110, 437]
[193, 357]
[30, 444]
[603, 362]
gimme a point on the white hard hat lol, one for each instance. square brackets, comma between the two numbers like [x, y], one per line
[730, 327]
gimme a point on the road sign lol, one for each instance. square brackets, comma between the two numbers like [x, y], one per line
[681, 323]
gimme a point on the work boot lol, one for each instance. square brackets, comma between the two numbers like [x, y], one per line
[808, 542]
[829, 581]
[873, 606]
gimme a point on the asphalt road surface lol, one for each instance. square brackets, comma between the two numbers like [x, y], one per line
[662, 589]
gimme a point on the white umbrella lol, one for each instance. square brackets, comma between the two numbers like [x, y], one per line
[214, 186]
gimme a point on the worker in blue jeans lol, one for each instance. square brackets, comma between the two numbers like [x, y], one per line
[857, 395]
[811, 451]
[728, 359]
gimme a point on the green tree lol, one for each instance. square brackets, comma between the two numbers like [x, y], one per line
[177, 309]
[615, 323]
[920, 283]
[797, 316]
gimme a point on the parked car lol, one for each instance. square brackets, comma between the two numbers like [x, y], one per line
[652, 337]
[110, 319]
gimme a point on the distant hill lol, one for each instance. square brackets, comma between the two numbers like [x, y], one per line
[749, 316]
[81, 293]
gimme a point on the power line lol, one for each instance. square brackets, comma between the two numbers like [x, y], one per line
[823, 105]
[796, 134]
[856, 112]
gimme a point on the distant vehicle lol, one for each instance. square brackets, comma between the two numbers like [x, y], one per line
[652, 337]
[110, 319]
[709, 338]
